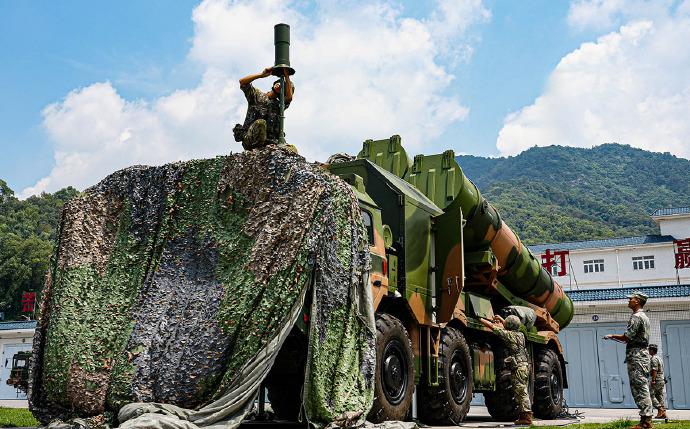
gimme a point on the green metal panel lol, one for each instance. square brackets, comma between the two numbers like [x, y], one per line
[387, 154]
[450, 269]
[481, 306]
[408, 213]
[417, 246]
[483, 369]
[392, 273]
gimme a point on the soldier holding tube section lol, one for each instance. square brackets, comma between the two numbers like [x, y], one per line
[262, 123]
[636, 338]
[508, 330]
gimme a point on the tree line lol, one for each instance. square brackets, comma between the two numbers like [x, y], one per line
[28, 230]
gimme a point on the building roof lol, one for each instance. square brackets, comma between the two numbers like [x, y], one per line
[664, 291]
[602, 243]
[18, 324]
[671, 211]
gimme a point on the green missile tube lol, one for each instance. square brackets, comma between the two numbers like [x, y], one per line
[442, 180]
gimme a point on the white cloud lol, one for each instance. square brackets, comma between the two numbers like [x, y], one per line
[608, 14]
[631, 86]
[363, 71]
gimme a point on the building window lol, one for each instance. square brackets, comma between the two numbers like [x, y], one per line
[555, 269]
[643, 262]
[594, 266]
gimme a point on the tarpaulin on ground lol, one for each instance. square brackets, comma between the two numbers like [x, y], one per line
[172, 289]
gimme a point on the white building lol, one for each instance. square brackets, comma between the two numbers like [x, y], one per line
[15, 337]
[599, 274]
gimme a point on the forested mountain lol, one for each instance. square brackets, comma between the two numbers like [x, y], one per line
[552, 194]
[547, 194]
[27, 232]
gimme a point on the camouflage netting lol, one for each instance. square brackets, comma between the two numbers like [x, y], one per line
[172, 289]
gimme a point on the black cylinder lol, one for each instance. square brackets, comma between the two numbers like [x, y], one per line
[281, 39]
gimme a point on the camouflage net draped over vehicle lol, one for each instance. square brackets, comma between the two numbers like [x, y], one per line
[172, 289]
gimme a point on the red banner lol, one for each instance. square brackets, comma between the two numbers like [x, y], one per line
[682, 253]
[28, 302]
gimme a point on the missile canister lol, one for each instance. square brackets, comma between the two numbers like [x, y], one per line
[442, 180]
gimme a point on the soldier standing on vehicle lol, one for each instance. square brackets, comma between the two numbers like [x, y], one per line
[262, 123]
[658, 383]
[636, 338]
[517, 361]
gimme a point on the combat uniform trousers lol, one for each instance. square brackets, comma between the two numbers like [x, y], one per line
[658, 394]
[638, 373]
[520, 387]
[256, 135]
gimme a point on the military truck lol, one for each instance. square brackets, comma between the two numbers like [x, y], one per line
[19, 374]
[441, 258]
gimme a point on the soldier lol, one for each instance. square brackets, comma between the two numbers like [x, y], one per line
[262, 125]
[657, 382]
[636, 338]
[517, 361]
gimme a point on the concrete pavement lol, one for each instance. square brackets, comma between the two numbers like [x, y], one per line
[479, 417]
[14, 403]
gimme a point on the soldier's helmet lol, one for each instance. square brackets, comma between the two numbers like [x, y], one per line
[512, 323]
[654, 346]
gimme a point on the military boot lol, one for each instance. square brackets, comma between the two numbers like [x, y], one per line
[645, 423]
[648, 422]
[661, 414]
[524, 419]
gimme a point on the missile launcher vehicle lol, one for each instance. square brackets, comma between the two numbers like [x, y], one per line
[441, 258]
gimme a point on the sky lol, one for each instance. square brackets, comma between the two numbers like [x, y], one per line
[92, 87]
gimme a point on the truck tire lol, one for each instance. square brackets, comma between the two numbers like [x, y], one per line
[285, 379]
[394, 381]
[548, 385]
[449, 402]
[501, 403]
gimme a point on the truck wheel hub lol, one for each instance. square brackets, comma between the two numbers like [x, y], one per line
[393, 372]
[458, 379]
[555, 388]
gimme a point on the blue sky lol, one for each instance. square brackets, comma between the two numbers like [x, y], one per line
[92, 87]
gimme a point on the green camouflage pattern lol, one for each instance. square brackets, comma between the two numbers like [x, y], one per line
[520, 382]
[638, 330]
[447, 190]
[409, 214]
[515, 346]
[517, 361]
[167, 280]
[441, 179]
[638, 361]
[658, 388]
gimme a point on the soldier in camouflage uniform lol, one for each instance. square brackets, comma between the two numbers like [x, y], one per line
[636, 338]
[517, 361]
[658, 383]
[262, 123]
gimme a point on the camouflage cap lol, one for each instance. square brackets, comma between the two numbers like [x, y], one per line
[639, 295]
[512, 323]
[653, 346]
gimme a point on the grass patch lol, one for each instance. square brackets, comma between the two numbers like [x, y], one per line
[16, 417]
[622, 424]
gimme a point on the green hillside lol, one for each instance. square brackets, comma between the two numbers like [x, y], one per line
[555, 193]
[548, 194]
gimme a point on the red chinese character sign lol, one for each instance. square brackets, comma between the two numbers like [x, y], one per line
[28, 302]
[548, 260]
[682, 253]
